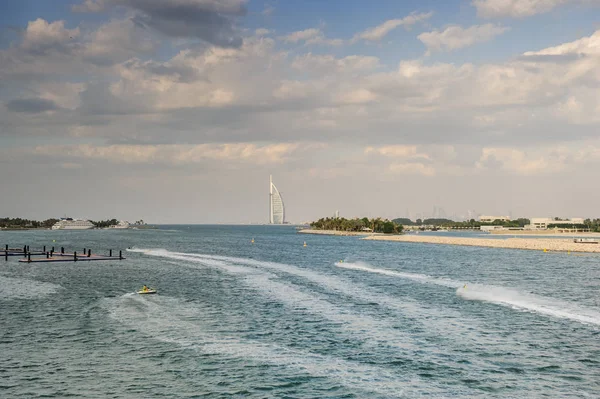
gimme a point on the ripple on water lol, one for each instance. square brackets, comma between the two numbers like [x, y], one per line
[20, 288]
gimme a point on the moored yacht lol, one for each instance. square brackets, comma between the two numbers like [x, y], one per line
[72, 224]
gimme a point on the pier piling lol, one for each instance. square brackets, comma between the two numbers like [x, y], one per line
[62, 250]
[29, 257]
[89, 252]
[120, 255]
[75, 256]
[110, 253]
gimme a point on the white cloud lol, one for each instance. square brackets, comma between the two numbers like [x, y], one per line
[521, 162]
[262, 32]
[328, 64]
[359, 96]
[302, 35]
[41, 36]
[411, 168]
[456, 37]
[584, 46]
[311, 36]
[173, 154]
[379, 32]
[519, 8]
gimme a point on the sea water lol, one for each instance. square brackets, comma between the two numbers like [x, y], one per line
[338, 318]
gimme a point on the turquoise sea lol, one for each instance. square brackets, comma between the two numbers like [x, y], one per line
[339, 318]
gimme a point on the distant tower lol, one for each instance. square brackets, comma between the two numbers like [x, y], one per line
[337, 214]
[276, 208]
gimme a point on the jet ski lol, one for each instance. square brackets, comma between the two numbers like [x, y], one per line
[147, 291]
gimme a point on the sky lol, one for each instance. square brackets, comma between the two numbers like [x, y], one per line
[177, 111]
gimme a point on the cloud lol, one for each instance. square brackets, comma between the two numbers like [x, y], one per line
[173, 154]
[456, 37]
[412, 168]
[32, 105]
[584, 46]
[325, 64]
[379, 32]
[262, 32]
[519, 8]
[41, 37]
[311, 36]
[210, 20]
[117, 41]
[521, 162]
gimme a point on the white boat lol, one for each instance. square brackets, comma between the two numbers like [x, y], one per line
[585, 240]
[73, 224]
[121, 225]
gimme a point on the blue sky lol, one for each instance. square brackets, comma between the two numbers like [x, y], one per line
[340, 98]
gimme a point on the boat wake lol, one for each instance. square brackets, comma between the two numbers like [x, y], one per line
[494, 294]
[20, 288]
[170, 320]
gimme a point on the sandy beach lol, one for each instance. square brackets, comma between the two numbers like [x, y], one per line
[535, 244]
[337, 232]
[549, 233]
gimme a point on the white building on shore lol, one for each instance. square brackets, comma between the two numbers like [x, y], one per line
[543, 223]
[490, 219]
[276, 207]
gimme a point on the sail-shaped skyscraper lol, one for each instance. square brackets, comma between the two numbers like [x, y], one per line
[276, 207]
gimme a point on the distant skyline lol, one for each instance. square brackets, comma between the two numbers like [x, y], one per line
[176, 111]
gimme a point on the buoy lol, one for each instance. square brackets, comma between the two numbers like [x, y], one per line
[53, 240]
[253, 241]
[304, 243]
[568, 252]
[545, 250]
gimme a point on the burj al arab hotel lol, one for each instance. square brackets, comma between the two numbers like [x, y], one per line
[276, 208]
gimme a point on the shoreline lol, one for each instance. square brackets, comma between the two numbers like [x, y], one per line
[533, 244]
[547, 233]
[337, 233]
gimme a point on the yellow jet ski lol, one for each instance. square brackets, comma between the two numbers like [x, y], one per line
[146, 291]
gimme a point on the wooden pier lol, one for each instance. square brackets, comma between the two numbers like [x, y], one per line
[44, 256]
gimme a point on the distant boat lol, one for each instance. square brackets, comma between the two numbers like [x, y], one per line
[585, 240]
[72, 224]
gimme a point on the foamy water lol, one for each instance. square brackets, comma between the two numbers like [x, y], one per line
[21, 288]
[495, 295]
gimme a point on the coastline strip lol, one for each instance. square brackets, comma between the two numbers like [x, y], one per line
[534, 244]
[337, 232]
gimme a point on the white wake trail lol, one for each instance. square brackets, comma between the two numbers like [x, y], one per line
[494, 294]
[21, 288]
[437, 322]
[422, 278]
[360, 327]
[168, 320]
[529, 303]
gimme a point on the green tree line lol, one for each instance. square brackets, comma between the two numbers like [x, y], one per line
[589, 224]
[377, 225]
[468, 224]
[105, 223]
[18, 223]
